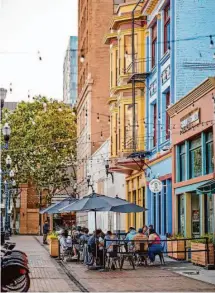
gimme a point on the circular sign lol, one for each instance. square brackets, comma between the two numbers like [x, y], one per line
[155, 185]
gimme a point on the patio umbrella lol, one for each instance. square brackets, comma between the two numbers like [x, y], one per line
[55, 208]
[99, 202]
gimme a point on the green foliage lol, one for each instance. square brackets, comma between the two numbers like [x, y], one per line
[209, 236]
[42, 144]
[52, 235]
[177, 236]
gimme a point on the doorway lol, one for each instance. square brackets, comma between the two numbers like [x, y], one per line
[195, 217]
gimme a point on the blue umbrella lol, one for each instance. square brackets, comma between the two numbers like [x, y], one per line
[99, 202]
[55, 208]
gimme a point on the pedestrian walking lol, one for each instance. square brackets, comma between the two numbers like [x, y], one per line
[45, 231]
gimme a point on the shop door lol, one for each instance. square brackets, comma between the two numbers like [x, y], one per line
[195, 215]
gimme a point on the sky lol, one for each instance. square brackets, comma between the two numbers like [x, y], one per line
[29, 26]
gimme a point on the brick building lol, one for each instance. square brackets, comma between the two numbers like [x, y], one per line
[93, 84]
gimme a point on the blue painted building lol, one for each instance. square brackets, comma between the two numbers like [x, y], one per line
[179, 57]
[70, 72]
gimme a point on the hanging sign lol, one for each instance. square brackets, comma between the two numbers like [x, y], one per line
[155, 185]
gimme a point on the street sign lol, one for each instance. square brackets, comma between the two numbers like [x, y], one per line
[155, 185]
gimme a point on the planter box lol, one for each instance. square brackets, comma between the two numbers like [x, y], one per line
[176, 246]
[200, 257]
[169, 247]
[54, 247]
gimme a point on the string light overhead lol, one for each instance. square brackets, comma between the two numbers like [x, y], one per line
[98, 119]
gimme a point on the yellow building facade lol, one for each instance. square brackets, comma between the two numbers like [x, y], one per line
[120, 102]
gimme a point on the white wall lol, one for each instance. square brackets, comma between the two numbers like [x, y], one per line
[103, 184]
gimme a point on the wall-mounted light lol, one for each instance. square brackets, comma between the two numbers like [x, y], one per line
[107, 170]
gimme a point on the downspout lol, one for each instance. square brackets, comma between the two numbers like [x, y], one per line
[133, 80]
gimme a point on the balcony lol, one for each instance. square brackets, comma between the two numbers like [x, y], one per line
[138, 73]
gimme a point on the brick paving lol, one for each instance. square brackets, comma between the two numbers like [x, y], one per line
[148, 279]
[46, 275]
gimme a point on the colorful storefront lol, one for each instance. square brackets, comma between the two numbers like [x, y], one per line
[160, 203]
[122, 127]
[193, 189]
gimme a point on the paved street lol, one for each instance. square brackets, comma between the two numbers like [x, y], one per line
[47, 275]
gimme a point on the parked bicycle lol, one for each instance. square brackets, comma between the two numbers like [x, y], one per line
[14, 269]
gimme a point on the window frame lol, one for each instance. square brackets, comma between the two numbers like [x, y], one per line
[167, 97]
[155, 124]
[182, 153]
[191, 150]
[166, 24]
[154, 44]
[209, 142]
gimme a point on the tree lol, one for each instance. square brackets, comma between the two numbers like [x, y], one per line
[42, 145]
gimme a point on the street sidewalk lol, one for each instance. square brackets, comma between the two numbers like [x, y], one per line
[153, 278]
[45, 273]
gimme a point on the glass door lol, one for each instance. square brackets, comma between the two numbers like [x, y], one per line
[195, 215]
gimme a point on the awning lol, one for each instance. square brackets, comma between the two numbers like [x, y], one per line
[55, 208]
[207, 188]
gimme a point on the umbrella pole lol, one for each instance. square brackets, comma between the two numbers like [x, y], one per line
[95, 234]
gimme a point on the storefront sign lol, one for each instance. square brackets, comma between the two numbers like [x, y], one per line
[155, 185]
[190, 120]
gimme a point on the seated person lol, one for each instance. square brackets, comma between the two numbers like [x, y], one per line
[109, 244]
[140, 236]
[154, 245]
[69, 240]
[132, 232]
[94, 244]
[63, 244]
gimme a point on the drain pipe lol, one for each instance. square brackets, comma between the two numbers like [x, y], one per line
[133, 79]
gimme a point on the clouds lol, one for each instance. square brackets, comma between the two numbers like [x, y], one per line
[27, 26]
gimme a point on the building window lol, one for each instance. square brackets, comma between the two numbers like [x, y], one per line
[182, 162]
[164, 203]
[154, 44]
[127, 51]
[195, 158]
[116, 67]
[209, 153]
[111, 70]
[116, 134]
[208, 214]
[154, 124]
[128, 125]
[167, 116]
[166, 28]
[181, 215]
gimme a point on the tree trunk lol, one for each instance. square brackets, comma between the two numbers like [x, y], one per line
[14, 215]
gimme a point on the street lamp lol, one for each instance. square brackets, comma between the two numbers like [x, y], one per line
[8, 161]
[107, 170]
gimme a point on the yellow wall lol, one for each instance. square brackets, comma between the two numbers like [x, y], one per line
[118, 106]
[134, 185]
[121, 95]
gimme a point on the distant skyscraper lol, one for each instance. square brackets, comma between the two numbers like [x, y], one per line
[70, 72]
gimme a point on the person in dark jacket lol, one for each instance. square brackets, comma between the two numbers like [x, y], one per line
[45, 231]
